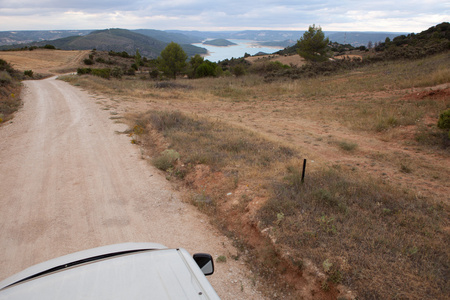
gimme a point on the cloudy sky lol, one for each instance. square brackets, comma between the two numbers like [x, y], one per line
[331, 15]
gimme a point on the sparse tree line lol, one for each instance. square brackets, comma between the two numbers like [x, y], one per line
[172, 63]
[31, 48]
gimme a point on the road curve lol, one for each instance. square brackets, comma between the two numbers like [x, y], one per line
[68, 183]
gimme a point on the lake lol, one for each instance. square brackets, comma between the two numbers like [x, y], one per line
[216, 53]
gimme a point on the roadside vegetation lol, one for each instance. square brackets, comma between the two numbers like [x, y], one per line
[9, 90]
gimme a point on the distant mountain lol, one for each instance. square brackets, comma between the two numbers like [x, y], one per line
[167, 37]
[357, 39]
[21, 37]
[282, 44]
[117, 40]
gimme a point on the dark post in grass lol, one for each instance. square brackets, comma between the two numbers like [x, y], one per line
[304, 168]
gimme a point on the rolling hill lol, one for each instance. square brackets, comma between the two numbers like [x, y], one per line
[117, 40]
[29, 36]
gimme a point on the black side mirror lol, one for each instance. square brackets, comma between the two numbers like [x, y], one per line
[205, 263]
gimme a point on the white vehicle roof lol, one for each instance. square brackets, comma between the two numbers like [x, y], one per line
[122, 271]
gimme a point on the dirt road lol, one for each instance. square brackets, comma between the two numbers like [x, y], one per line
[68, 182]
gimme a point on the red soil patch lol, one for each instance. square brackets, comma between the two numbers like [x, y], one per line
[434, 94]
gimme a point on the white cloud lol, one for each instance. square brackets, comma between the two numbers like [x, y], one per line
[406, 16]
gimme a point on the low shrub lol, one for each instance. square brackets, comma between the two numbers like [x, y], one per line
[267, 67]
[104, 73]
[130, 72]
[347, 146]
[166, 159]
[444, 121]
[239, 70]
[28, 73]
[5, 66]
[313, 69]
[83, 71]
[88, 61]
[207, 69]
[117, 72]
[154, 74]
[5, 78]
[171, 85]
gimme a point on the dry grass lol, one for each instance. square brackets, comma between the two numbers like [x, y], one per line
[362, 228]
[382, 242]
[45, 60]
[377, 219]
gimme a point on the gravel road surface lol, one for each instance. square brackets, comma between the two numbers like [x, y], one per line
[68, 182]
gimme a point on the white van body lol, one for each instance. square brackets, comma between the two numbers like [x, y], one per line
[122, 271]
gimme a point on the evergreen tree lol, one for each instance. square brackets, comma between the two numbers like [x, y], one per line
[313, 45]
[172, 60]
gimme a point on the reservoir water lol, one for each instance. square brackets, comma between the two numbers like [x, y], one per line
[216, 53]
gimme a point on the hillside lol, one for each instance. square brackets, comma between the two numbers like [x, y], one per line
[30, 36]
[434, 40]
[168, 37]
[117, 40]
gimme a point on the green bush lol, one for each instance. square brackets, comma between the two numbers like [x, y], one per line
[88, 61]
[5, 78]
[268, 67]
[49, 47]
[104, 73]
[444, 121]
[239, 70]
[130, 72]
[166, 159]
[83, 71]
[4, 66]
[28, 73]
[206, 69]
[117, 72]
[154, 74]
[100, 60]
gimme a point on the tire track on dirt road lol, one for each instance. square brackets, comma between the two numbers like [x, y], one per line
[68, 183]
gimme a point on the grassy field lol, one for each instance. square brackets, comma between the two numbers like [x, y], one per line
[45, 61]
[372, 214]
